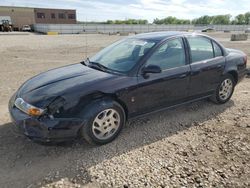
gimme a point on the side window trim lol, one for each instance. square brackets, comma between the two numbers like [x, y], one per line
[213, 47]
[188, 50]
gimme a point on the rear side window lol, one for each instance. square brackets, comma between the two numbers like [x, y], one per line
[217, 50]
[201, 48]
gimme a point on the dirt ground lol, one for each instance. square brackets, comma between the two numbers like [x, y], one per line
[198, 145]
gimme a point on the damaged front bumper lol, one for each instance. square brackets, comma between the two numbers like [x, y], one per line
[45, 129]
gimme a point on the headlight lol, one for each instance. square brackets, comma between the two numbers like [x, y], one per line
[28, 108]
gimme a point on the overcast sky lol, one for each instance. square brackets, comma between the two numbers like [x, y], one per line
[101, 10]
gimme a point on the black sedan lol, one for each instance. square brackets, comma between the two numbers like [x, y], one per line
[135, 76]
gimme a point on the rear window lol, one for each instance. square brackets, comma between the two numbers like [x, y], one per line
[217, 50]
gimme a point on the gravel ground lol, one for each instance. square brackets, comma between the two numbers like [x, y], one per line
[198, 145]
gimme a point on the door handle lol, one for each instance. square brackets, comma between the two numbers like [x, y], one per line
[219, 66]
[183, 75]
[193, 73]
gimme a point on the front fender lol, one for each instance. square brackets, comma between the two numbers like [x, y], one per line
[95, 106]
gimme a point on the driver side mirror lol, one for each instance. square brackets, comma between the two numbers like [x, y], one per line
[151, 69]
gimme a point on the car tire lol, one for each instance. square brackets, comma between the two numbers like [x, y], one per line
[104, 122]
[225, 90]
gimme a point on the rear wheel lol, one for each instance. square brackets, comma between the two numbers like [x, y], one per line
[225, 90]
[104, 123]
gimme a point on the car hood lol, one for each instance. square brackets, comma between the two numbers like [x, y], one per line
[56, 81]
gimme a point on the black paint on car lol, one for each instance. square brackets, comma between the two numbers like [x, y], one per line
[135, 76]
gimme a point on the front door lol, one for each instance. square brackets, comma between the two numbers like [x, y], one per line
[158, 90]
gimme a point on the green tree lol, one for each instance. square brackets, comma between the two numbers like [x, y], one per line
[203, 20]
[109, 22]
[221, 19]
[240, 19]
[143, 21]
[128, 21]
[171, 20]
[156, 21]
[247, 18]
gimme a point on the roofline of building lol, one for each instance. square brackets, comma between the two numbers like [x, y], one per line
[35, 8]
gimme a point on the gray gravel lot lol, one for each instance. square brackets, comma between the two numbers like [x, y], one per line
[198, 145]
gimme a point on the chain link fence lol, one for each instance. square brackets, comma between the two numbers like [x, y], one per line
[112, 29]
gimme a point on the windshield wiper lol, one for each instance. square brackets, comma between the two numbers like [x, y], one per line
[83, 63]
[98, 65]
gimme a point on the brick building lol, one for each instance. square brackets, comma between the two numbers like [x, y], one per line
[54, 16]
[28, 16]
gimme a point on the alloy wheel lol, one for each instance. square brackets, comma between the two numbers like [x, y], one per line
[226, 89]
[106, 124]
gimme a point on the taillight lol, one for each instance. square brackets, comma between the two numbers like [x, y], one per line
[245, 59]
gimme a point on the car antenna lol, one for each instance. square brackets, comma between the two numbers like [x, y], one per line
[86, 40]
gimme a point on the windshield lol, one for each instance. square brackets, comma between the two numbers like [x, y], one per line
[123, 55]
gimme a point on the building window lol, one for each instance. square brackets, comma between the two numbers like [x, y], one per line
[53, 16]
[40, 15]
[61, 16]
[72, 16]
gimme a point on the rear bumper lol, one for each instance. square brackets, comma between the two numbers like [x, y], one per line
[248, 71]
[242, 74]
[45, 129]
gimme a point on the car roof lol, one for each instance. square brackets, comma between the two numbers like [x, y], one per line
[158, 36]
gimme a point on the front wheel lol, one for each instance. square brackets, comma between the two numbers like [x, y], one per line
[225, 90]
[104, 124]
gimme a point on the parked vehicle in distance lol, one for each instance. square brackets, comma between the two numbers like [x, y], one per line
[5, 24]
[26, 28]
[208, 29]
[247, 30]
[134, 76]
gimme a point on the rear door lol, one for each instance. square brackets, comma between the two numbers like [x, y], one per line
[207, 64]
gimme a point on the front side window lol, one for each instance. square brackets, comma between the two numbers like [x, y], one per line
[123, 55]
[217, 50]
[201, 48]
[169, 55]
